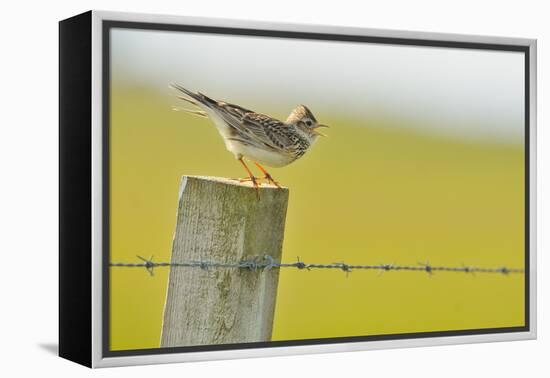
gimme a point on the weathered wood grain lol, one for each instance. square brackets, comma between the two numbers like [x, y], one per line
[222, 220]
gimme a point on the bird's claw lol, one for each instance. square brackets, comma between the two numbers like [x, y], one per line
[255, 183]
[271, 180]
[254, 180]
[256, 186]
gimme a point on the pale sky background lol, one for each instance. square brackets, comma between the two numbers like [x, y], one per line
[464, 93]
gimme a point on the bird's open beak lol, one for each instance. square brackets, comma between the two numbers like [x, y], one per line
[314, 129]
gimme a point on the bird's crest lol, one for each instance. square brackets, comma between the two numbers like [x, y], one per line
[299, 113]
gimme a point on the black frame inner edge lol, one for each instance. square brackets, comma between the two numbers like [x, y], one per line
[107, 25]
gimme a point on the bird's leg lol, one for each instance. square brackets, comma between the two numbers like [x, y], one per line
[252, 178]
[267, 175]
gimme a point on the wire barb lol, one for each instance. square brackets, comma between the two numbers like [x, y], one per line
[299, 264]
[346, 268]
[427, 267]
[149, 264]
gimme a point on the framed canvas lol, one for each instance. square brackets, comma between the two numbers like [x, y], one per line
[237, 189]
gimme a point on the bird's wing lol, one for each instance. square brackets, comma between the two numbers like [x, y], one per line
[248, 126]
[258, 129]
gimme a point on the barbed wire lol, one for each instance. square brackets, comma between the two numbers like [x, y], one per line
[267, 262]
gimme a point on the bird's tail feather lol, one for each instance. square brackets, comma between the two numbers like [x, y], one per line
[193, 102]
[199, 113]
[196, 98]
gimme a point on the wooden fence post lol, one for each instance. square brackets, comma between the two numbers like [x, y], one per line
[222, 220]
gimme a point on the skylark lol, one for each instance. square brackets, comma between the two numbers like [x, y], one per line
[259, 138]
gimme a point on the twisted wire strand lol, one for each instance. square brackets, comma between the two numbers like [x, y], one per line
[267, 262]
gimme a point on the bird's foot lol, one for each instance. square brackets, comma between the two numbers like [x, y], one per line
[249, 179]
[268, 178]
[255, 183]
[256, 187]
[271, 180]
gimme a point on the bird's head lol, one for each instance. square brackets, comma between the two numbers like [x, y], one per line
[305, 121]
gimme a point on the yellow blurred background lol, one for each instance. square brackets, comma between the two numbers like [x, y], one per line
[373, 192]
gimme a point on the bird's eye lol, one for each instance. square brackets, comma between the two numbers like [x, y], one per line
[308, 122]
